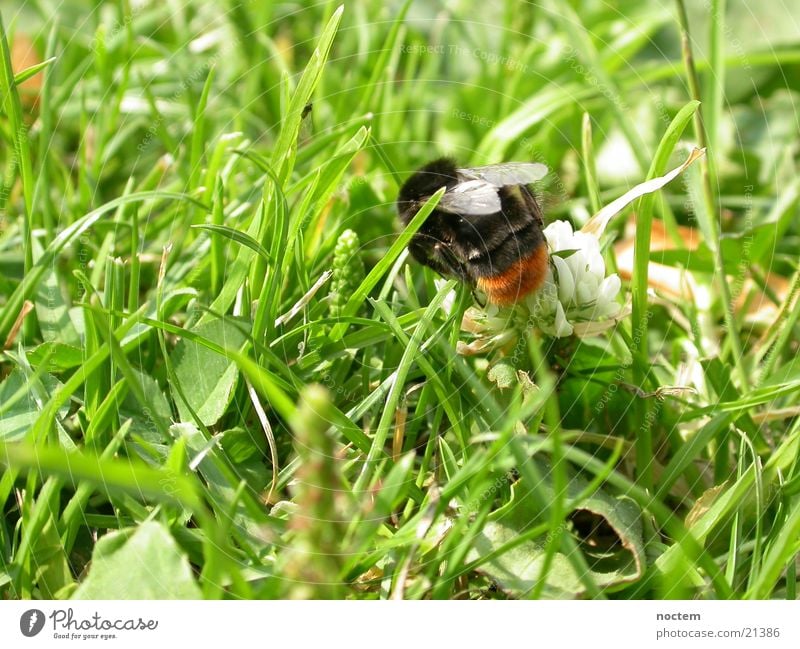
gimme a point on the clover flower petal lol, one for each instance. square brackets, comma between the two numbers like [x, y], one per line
[582, 291]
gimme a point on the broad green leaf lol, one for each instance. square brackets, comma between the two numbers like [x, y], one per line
[156, 414]
[18, 405]
[52, 310]
[223, 479]
[52, 564]
[59, 356]
[139, 563]
[608, 530]
[206, 378]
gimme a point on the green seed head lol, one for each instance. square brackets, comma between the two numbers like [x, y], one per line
[348, 271]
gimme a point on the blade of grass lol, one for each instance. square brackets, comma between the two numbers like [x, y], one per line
[706, 209]
[19, 136]
[374, 276]
[398, 385]
[639, 284]
[64, 238]
[589, 165]
[286, 145]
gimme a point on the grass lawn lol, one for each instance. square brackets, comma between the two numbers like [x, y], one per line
[222, 375]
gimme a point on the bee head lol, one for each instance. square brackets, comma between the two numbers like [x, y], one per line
[423, 183]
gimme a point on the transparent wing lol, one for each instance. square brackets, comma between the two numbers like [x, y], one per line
[473, 197]
[507, 173]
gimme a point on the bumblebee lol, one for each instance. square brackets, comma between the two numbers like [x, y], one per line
[486, 229]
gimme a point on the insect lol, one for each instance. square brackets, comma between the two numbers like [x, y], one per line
[486, 229]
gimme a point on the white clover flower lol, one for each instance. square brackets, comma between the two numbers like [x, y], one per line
[576, 290]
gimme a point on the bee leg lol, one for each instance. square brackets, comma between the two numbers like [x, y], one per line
[442, 259]
[454, 265]
[427, 256]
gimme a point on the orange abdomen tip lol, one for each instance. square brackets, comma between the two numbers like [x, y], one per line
[517, 281]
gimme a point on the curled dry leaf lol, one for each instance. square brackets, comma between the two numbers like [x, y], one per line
[671, 281]
[678, 283]
[24, 56]
[597, 224]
